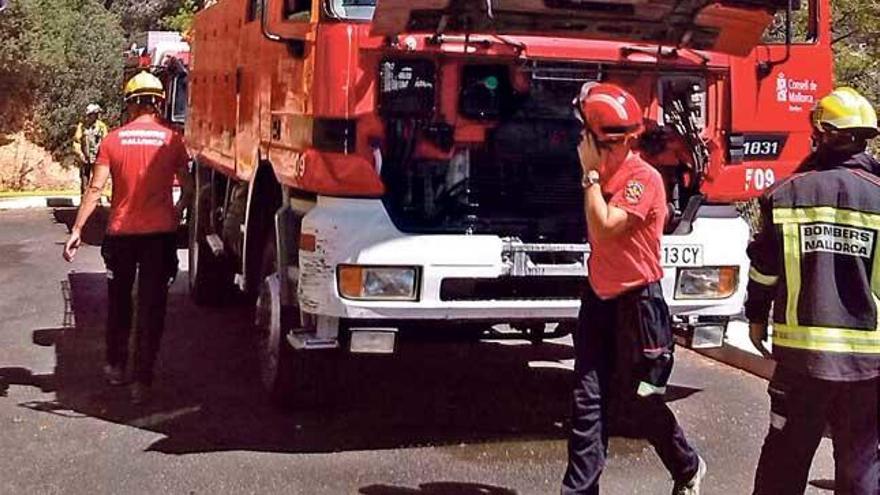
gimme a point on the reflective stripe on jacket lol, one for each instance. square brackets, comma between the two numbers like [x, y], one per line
[817, 260]
[86, 140]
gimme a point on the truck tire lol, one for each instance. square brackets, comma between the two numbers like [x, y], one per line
[210, 279]
[289, 376]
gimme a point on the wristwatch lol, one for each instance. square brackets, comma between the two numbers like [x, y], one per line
[589, 178]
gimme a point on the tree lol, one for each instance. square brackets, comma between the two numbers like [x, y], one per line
[856, 35]
[137, 16]
[181, 21]
[58, 56]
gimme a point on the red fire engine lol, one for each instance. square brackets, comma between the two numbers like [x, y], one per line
[166, 55]
[369, 170]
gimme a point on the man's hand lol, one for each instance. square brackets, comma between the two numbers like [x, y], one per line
[588, 152]
[758, 335]
[179, 210]
[72, 245]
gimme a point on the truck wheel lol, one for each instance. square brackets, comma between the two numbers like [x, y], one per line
[287, 374]
[210, 280]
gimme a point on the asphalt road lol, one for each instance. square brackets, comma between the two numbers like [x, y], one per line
[440, 419]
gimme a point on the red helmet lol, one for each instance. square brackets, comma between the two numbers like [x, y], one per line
[609, 111]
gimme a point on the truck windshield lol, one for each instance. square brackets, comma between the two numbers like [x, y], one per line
[352, 9]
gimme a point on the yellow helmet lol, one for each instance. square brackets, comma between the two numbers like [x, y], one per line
[144, 84]
[845, 109]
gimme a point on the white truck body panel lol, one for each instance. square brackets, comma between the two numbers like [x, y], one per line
[359, 231]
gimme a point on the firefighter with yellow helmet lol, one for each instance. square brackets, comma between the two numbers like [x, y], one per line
[143, 157]
[816, 261]
[86, 141]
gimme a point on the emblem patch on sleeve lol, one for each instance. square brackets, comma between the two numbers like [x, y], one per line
[633, 191]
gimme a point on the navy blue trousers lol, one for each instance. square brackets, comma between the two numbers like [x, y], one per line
[801, 406]
[609, 343]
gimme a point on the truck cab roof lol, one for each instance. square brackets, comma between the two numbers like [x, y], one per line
[728, 27]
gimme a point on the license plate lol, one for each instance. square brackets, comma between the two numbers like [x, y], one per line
[682, 255]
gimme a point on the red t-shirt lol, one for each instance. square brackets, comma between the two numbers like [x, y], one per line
[143, 157]
[632, 259]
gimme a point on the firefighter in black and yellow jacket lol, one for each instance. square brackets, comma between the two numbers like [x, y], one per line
[816, 259]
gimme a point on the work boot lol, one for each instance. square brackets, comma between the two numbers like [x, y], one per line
[140, 393]
[114, 375]
[691, 486]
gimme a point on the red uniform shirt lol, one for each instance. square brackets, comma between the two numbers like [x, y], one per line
[632, 259]
[143, 157]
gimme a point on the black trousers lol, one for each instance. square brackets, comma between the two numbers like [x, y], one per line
[610, 343]
[800, 408]
[153, 259]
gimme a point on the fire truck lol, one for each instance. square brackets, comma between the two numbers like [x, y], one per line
[166, 55]
[367, 171]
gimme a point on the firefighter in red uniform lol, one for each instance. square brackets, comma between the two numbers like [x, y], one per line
[143, 157]
[623, 343]
[816, 259]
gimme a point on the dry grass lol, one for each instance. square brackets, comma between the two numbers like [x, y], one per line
[26, 167]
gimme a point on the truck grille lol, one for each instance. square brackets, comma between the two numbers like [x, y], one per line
[512, 288]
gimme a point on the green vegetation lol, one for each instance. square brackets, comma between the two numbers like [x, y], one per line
[181, 20]
[58, 56]
[856, 31]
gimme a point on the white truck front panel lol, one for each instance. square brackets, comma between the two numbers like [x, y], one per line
[359, 231]
[722, 242]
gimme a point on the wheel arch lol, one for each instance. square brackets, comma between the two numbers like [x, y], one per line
[264, 198]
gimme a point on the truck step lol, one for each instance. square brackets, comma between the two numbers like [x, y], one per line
[215, 243]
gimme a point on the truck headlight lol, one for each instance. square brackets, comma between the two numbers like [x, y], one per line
[714, 282]
[395, 283]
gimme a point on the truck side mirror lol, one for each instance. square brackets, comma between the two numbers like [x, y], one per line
[765, 68]
[176, 111]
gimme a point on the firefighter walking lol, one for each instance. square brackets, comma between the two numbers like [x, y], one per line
[816, 261]
[86, 141]
[143, 157]
[623, 342]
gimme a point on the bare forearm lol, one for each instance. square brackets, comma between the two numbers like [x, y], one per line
[603, 220]
[87, 207]
[595, 207]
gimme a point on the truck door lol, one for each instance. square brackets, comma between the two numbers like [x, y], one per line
[772, 92]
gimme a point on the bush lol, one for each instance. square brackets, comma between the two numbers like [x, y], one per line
[58, 56]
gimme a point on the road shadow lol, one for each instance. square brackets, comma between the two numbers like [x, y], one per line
[23, 376]
[437, 488]
[208, 396]
[93, 232]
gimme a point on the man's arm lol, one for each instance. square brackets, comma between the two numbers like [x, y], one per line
[181, 172]
[187, 188]
[90, 199]
[764, 254]
[77, 144]
[604, 221]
